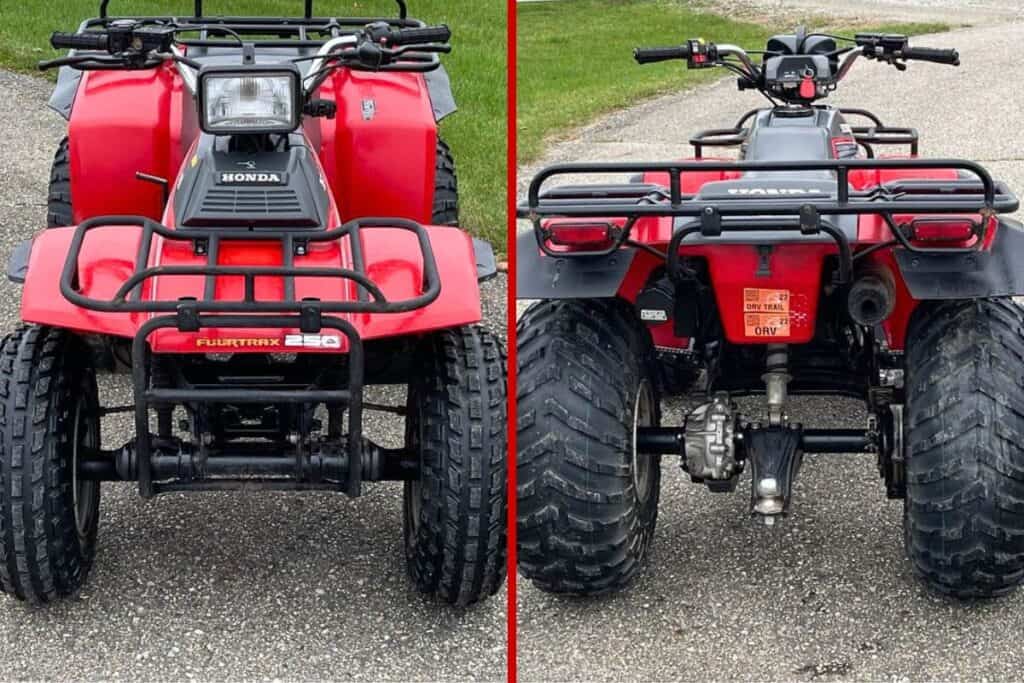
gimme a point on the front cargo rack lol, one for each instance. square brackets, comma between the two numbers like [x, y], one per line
[207, 243]
[633, 201]
[338, 467]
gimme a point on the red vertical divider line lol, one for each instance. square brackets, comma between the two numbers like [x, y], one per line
[511, 421]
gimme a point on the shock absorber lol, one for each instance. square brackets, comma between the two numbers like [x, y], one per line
[776, 379]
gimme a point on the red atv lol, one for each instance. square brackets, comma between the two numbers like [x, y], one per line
[264, 223]
[806, 266]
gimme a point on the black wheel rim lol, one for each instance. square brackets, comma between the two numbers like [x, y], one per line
[643, 465]
[84, 436]
[413, 489]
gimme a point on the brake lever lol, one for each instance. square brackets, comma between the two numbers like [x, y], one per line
[86, 61]
[433, 48]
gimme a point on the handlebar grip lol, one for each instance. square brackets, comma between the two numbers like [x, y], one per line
[417, 36]
[927, 54]
[93, 40]
[648, 55]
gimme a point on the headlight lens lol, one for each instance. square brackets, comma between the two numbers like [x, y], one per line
[239, 103]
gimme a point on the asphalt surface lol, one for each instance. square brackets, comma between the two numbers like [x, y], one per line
[827, 594]
[229, 586]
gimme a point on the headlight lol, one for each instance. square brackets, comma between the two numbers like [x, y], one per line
[260, 100]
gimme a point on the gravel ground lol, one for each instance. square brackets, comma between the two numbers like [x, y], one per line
[218, 586]
[826, 595]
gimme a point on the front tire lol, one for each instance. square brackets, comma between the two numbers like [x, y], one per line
[455, 514]
[58, 202]
[50, 413]
[964, 508]
[446, 187]
[587, 501]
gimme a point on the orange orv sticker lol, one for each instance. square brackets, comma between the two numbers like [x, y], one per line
[766, 312]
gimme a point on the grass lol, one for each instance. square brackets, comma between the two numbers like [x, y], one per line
[575, 58]
[477, 66]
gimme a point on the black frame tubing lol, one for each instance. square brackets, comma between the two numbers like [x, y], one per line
[128, 299]
[601, 201]
[403, 11]
[146, 396]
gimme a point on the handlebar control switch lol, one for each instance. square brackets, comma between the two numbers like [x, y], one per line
[702, 55]
[121, 36]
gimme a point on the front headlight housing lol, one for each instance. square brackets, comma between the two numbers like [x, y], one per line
[234, 100]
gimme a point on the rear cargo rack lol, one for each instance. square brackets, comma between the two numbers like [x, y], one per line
[347, 465]
[307, 31]
[803, 213]
[865, 136]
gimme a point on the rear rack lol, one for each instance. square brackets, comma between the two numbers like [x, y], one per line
[403, 11]
[865, 136]
[308, 31]
[802, 213]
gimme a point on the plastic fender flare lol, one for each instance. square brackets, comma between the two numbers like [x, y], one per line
[541, 277]
[986, 274]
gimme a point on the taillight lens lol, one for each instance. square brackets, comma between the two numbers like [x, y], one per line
[943, 230]
[580, 236]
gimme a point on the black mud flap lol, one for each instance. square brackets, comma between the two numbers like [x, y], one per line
[17, 265]
[486, 266]
[541, 277]
[997, 272]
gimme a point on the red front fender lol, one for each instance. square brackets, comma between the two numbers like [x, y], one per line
[393, 262]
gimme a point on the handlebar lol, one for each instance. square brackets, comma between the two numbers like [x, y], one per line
[649, 55]
[93, 40]
[419, 36]
[927, 54]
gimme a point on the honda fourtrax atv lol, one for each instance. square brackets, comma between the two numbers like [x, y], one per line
[261, 222]
[808, 265]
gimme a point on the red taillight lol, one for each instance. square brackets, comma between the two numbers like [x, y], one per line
[939, 230]
[590, 236]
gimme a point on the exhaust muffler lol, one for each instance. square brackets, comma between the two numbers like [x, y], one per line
[872, 297]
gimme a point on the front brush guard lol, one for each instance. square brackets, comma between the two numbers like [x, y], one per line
[208, 312]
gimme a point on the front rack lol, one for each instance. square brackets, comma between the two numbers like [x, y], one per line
[711, 218]
[205, 242]
[865, 136]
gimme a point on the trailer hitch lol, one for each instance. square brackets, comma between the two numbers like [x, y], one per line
[775, 457]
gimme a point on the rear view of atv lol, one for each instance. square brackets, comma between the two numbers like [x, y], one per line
[806, 266]
[255, 218]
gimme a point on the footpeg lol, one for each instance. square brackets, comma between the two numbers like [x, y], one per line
[774, 454]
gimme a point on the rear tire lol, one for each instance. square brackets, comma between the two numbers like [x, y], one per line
[48, 518]
[964, 508]
[446, 188]
[455, 515]
[58, 203]
[587, 502]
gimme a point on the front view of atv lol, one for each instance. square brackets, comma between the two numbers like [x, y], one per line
[805, 265]
[240, 240]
